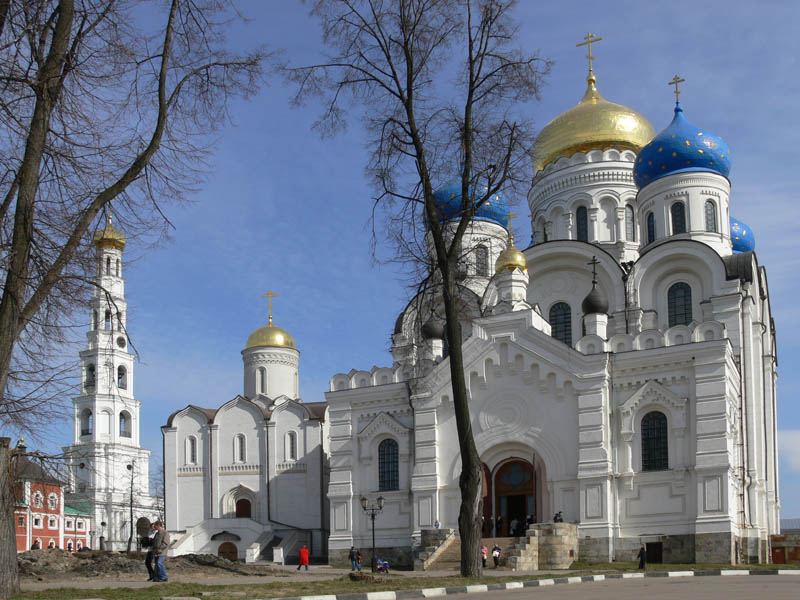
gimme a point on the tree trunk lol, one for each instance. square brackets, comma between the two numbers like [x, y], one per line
[9, 576]
[469, 516]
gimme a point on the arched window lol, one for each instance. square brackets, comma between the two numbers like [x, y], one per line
[561, 322]
[678, 212]
[582, 223]
[630, 229]
[38, 500]
[388, 466]
[711, 216]
[291, 446]
[116, 272]
[239, 448]
[52, 501]
[86, 422]
[482, 261]
[119, 321]
[191, 450]
[122, 377]
[90, 376]
[108, 265]
[125, 424]
[679, 304]
[108, 319]
[655, 451]
[94, 320]
[261, 380]
[651, 228]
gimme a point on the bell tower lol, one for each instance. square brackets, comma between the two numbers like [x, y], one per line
[108, 470]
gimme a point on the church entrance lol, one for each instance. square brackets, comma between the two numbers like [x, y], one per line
[243, 509]
[514, 498]
[228, 550]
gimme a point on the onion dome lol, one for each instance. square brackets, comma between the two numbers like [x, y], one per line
[448, 200]
[681, 148]
[109, 237]
[510, 258]
[595, 302]
[593, 124]
[433, 329]
[270, 335]
[742, 238]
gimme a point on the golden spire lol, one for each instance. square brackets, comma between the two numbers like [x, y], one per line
[675, 81]
[269, 295]
[511, 216]
[588, 41]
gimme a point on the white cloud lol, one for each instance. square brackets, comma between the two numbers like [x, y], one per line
[789, 445]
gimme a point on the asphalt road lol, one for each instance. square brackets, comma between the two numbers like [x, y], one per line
[751, 587]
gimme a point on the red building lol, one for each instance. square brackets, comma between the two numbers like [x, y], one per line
[40, 517]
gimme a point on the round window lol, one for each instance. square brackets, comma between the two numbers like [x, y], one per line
[121, 342]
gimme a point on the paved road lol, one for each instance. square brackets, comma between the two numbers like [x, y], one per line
[763, 587]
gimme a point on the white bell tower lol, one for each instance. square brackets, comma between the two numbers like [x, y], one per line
[109, 472]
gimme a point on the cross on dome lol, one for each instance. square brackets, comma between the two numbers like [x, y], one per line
[589, 39]
[269, 295]
[675, 81]
[594, 262]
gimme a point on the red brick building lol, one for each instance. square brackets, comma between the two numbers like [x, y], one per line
[40, 517]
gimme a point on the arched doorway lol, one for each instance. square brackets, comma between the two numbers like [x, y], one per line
[243, 509]
[143, 527]
[515, 496]
[228, 550]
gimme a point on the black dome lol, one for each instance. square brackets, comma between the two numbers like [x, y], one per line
[433, 330]
[595, 302]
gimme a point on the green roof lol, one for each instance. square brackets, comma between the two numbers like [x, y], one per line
[69, 510]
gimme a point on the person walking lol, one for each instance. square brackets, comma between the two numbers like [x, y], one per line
[160, 544]
[354, 556]
[148, 559]
[642, 556]
[484, 554]
[303, 558]
[496, 555]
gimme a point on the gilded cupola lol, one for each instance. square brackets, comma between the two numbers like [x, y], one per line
[270, 334]
[109, 237]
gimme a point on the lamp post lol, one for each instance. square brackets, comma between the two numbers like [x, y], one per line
[372, 510]
[130, 535]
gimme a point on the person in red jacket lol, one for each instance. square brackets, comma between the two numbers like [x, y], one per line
[303, 558]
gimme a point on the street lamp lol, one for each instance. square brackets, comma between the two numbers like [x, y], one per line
[372, 510]
[130, 535]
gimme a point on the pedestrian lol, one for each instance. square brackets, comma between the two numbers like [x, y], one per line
[496, 555]
[303, 558]
[360, 560]
[436, 524]
[498, 526]
[160, 544]
[147, 542]
[558, 518]
[512, 527]
[642, 556]
[484, 554]
[355, 559]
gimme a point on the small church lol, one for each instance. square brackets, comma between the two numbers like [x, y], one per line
[247, 478]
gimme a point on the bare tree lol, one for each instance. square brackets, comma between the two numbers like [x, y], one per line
[100, 100]
[440, 84]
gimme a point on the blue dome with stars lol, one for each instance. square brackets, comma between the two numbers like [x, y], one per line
[448, 199]
[681, 148]
[742, 237]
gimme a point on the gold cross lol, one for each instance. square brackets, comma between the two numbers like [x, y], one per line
[511, 216]
[675, 81]
[269, 295]
[589, 40]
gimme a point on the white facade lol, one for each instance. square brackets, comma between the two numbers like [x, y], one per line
[108, 469]
[558, 414]
[246, 480]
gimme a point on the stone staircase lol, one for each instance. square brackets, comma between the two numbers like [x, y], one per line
[433, 543]
[545, 546]
[442, 552]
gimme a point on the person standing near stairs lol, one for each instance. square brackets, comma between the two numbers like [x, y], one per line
[496, 555]
[484, 554]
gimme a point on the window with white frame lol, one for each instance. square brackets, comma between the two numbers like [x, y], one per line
[37, 521]
[68, 523]
[291, 446]
[52, 523]
[21, 522]
[38, 500]
[191, 450]
[52, 501]
[79, 525]
[239, 448]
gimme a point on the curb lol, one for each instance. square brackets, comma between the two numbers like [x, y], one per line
[512, 585]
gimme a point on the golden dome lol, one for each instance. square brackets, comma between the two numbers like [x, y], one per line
[510, 258]
[270, 335]
[593, 124]
[109, 237]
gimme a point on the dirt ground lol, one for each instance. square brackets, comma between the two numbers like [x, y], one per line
[50, 564]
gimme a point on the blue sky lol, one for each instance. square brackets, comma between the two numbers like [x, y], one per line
[284, 210]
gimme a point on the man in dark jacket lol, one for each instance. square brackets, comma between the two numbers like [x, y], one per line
[160, 545]
[642, 556]
[353, 556]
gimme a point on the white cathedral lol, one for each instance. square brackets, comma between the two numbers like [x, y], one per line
[621, 370]
[107, 468]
